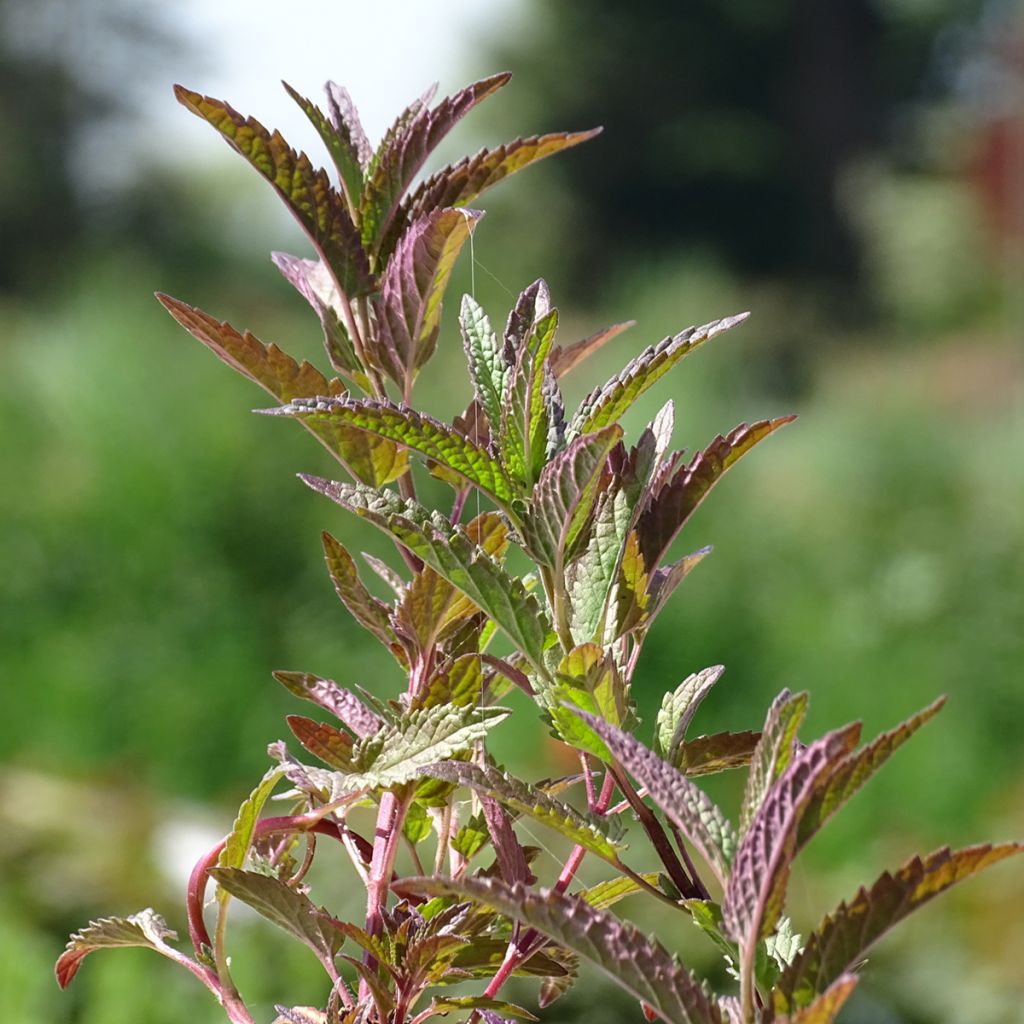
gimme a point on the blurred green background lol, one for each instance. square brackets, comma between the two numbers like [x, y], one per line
[852, 172]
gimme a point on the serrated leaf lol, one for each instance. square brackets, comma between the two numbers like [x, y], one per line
[236, 846]
[442, 1007]
[688, 808]
[856, 769]
[327, 694]
[566, 358]
[403, 152]
[412, 288]
[678, 708]
[306, 190]
[146, 928]
[719, 752]
[773, 752]
[846, 934]
[412, 430]
[665, 579]
[509, 855]
[756, 889]
[370, 612]
[398, 753]
[606, 894]
[557, 518]
[628, 600]
[826, 1007]
[488, 368]
[284, 906]
[345, 118]
[670, 507]
[460, 684]
[471, 837]
[449, 551]
[608, 403]
[416, 825]
[596, 834]
[332, 746]
[639, 965]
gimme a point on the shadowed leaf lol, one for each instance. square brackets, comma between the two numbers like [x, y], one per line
[443, 1006]
[826, 1007]
[606, 894]
[841, 940]
[706, 755]
[146, 928]
[639, 965]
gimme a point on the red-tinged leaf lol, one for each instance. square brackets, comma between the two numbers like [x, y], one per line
[370, 612]
[666, 578]
[774, 751]
[306, 190]
[608, 403]
[332, 746]
[146, 928]
[345, 119]
[670, 507]
[412, 289]
[566, 358]
[845, 935]
[678, 708]
[336, 135]
[557, 518]
[688, 808]
[266, 365]
[639, 965]
[327, 694]
[756, 889]
[719, 752]
[508, 852]
[491, 1007]
[460, 684]
[412, 430]
[403, 153]
[826, 1007]
[856, 769]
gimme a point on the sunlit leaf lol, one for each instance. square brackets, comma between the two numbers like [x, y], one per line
[442, 1007]
[606, 894]
[488, 367]
[825, 1008]
[566, 358]
[331, 745]
[236, 846]
[678, 708]
[327, 694]
[146, 928]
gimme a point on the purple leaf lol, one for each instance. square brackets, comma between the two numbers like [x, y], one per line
[679, 497]
[841, 940]
[705, 755]
[409, 307]
[345, 119]
[639, 965]
[510, 857]
[332, 746]
[566, 358]
[306, 191]
[325, 693]
[688, 808]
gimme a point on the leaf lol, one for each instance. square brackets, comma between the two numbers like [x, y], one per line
[826, 1007]
[403, 153]
[442, 1007]
[606, 894]
[639, 965]
[596, 834]
[460, 685]
[284, 906]
[370, 612]
[327, 694]
[665, 579]
[756, 889]
[565, 359]
[146, 928]
[669, 508]
[236, 846]
[413, 430]
[846, 934]
[398, 753]
[608, 403]
[488, 368]
[409, 307]
[449, 551]
[678, 709]
[856, 769]
[510, 857]
[706, 755]
[345, 119]
[688, 808]
[306, 190]
[556, 521]
[471, 837]
[336, 134]
[774, 751]
[331, 745]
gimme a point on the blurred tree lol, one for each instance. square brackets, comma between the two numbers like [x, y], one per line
[730, 123]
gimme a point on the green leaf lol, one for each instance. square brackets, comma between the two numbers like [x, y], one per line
[471, 837]
[592, 832]
[669, 508]
[284, 906]
[306, 190]
[414, 431]
[706, 755]
[825, 1007]
[146, 928]
[844, 936]
[416, 825]
[773, 752]
[856, 769]
[442, 1007]
[557, 518]
[639, 965]
[370, 612]
[678, 709]
[608, 403]
[236, 846]
[459, 684]
[488, 368]
[413, 286]
[606, 894]
[449, 551]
